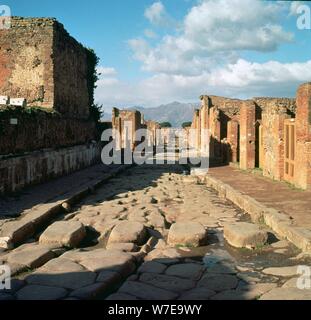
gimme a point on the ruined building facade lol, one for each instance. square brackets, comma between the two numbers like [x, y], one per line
[272, 134]
[50, 134]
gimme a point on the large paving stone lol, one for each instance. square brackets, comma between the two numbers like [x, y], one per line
[167, 282]
[35, 292]
[199, 293]
[152, 267]
[128, 231]
[218, 282]
[287, 294]
[245, 235]
[64, 233]
[146, 292]
[121, 263]
[187, 233]
[72, 281]
[282, 271]
[186, 270]
[91, 291]
[121, 297]
[62, 273]
[32, 257]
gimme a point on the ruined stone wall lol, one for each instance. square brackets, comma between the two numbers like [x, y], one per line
[302, 176]
[38, 167]
[39, 61]
[26, 66]
[126, 121]
[274, 112]
[37, 130]
[71, 96]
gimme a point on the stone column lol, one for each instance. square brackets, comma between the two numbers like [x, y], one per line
[302, 174]
[247, 135]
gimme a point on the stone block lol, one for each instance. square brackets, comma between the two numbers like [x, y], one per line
[245, 235]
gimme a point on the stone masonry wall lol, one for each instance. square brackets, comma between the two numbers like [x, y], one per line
[37, 167]
[39, 61]
[40, 130]
[26, 66]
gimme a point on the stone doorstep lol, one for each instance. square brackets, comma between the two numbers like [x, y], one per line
[21, 230]
[279, 222]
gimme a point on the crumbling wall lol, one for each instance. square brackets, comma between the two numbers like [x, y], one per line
[126, 122]
[274, 112]
[38, 167]
[41, 62]
[302, 175]
[37, 130]
[26, 65]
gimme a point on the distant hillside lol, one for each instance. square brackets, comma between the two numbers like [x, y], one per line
[176, 113]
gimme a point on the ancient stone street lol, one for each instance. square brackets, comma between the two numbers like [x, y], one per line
[154, 232]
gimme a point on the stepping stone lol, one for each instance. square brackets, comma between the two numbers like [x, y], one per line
[282, 271]
[167, 282]
[35, 292]
[245, 235]
[146, 292]
[32, 257]
[287, 294]
[188, 233]
[218, 282]
[200, 293]
[186, 270]
[128, 231]
[126, 247]
[64, 233]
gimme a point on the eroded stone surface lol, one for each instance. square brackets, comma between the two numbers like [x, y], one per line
[187, 233]
[64, 233]
[128, 231]
[245, 235]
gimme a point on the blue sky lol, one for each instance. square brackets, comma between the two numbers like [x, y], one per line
[155, 52]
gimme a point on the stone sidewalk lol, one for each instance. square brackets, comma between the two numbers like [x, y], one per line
[278, 195]
[52, 191]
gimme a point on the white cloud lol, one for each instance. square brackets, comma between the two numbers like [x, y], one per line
[158, 16]
[155, 13]
[204, 57]
[214, 29]
[243, 79]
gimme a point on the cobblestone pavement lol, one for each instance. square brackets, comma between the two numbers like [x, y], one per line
[151, 233]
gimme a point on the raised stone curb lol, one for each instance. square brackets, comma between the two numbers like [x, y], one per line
[279, 222]
[17, 231]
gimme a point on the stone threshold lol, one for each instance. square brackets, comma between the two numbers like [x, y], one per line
[279, 222]
[15, 232]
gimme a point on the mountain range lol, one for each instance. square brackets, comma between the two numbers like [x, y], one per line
[176, 113]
